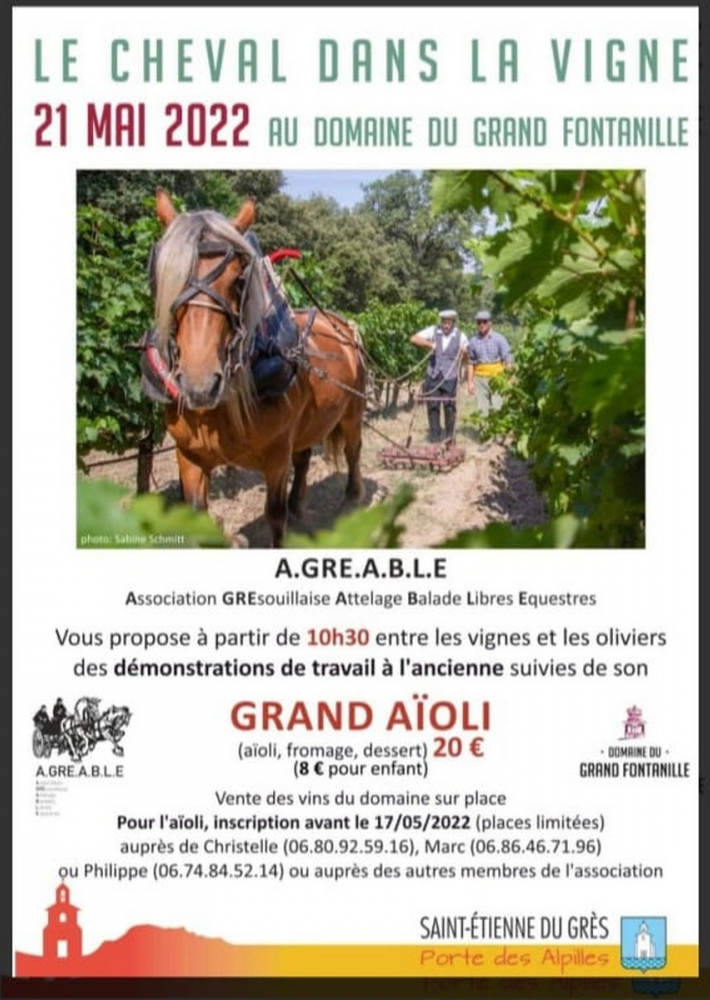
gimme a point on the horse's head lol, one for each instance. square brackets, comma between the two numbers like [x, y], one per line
[199, 267]
[116, 718]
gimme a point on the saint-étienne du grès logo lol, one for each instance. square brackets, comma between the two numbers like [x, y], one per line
[643, 943]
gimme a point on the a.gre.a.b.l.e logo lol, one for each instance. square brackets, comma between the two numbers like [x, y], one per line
[78, 733]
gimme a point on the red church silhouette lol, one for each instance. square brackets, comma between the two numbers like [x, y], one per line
[61, 938]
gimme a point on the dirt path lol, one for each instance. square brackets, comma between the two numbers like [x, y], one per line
[489, 485]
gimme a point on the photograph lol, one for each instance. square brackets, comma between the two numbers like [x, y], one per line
[361, 359]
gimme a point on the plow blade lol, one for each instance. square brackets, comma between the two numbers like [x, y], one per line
[437, 457]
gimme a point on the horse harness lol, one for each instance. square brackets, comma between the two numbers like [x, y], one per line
[159, 381]
[203, 286]
[273, 363]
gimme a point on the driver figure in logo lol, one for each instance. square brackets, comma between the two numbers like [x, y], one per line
[41, 719]
[59, 714]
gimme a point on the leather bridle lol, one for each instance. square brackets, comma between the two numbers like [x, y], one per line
[232, 357]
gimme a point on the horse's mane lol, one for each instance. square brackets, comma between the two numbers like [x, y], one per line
[176, 260]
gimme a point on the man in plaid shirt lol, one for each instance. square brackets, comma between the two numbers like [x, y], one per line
[488, 355]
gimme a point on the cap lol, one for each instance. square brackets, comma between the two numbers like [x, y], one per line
[447, 314]
[483, 314]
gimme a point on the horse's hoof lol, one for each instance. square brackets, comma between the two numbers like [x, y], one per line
[380, 494]
[240, 542]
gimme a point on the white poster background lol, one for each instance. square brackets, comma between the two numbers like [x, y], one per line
[56, 586]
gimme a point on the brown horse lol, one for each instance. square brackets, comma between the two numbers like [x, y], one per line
[202, 345]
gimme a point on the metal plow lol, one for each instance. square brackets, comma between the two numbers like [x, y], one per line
[436, 457]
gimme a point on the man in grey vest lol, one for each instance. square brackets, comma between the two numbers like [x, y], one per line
[448, 346]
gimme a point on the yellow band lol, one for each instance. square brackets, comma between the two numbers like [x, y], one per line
[489, 369]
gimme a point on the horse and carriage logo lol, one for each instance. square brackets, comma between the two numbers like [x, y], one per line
[78, 733]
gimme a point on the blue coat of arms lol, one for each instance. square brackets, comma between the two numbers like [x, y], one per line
[643, 943]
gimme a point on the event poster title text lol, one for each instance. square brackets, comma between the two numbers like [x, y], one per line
[387, 61]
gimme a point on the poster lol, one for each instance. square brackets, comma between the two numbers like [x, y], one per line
[334, 760]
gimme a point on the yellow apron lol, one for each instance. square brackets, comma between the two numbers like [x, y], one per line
[488, 369]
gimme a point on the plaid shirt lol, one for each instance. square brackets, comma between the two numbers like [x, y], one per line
[492, 347]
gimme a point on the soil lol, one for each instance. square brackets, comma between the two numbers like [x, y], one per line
[489, 485]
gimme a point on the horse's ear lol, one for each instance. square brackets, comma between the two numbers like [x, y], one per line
[244, 219]
[164, 208]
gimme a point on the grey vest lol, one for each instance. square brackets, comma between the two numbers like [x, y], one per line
[443, 361]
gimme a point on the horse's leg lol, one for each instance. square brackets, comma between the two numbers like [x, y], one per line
[276, 476]
[194, 481]
[297, 496]
[351, 426]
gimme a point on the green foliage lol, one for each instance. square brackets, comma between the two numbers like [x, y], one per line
[378, 527]
[559, 533]
[122, 193]
[113, 311]
[353, 257]
[578, 406]
[386, 333]
[429, 255]
[568, 243]
[569, 257]
[305, 280]
[374, 528]
[391, 248]
[106, 518]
